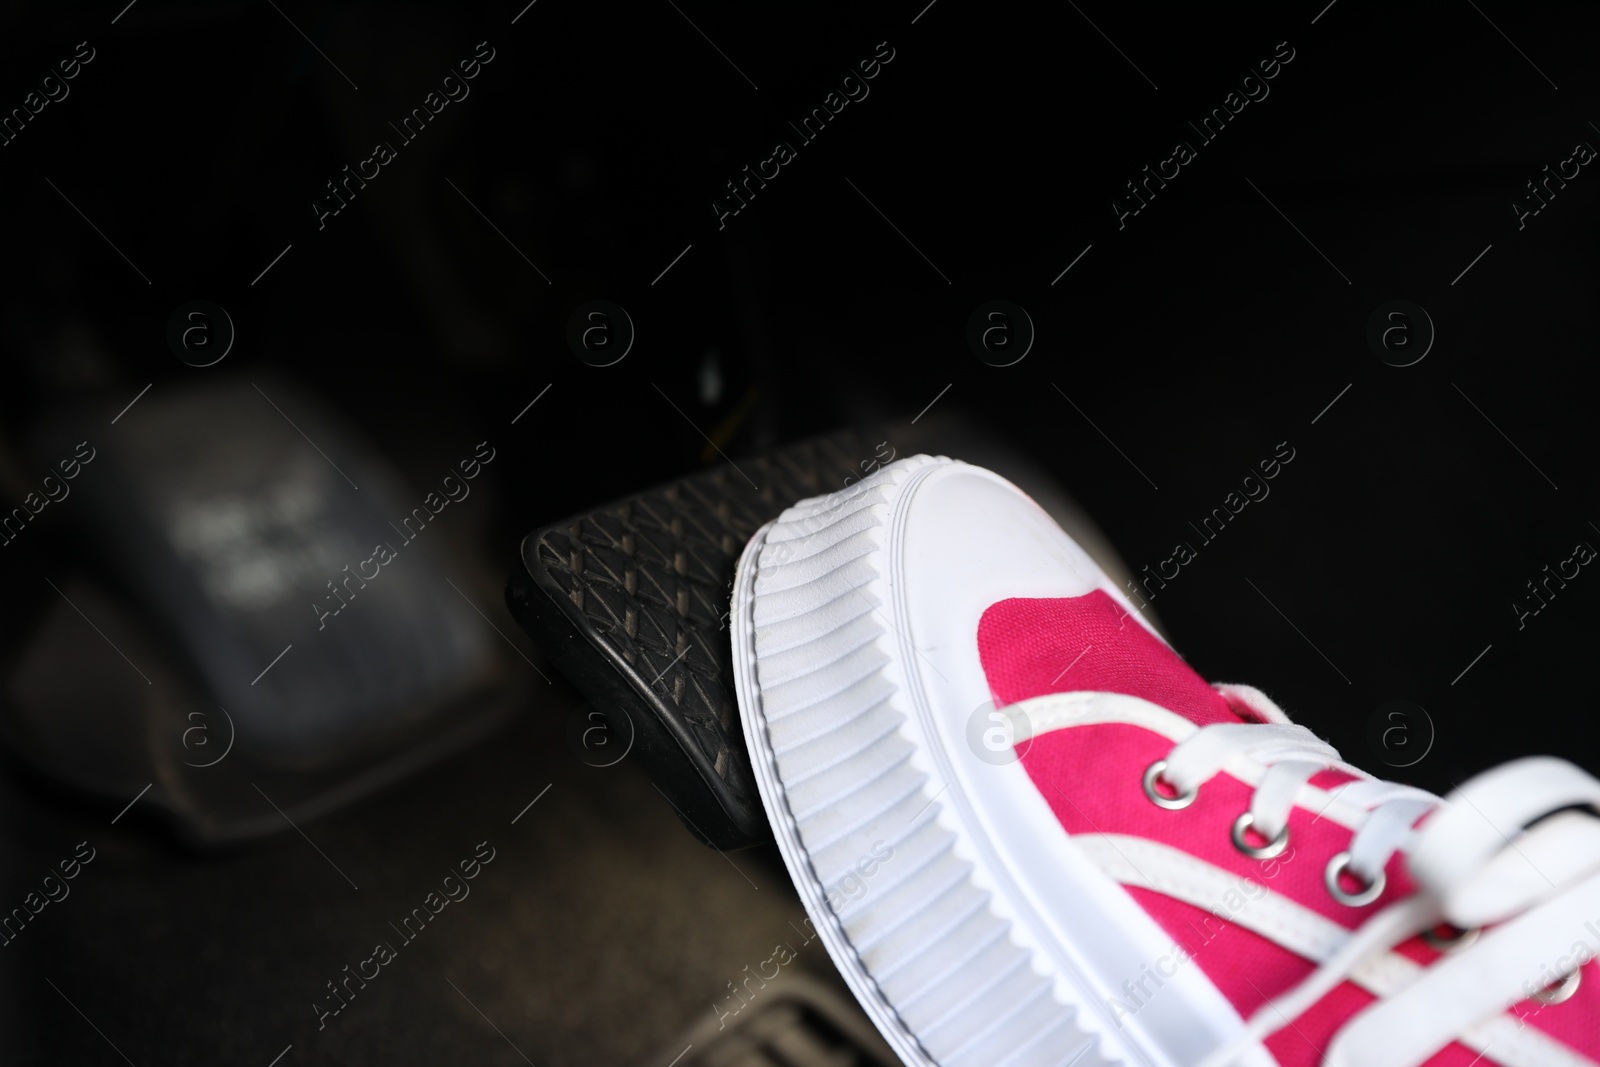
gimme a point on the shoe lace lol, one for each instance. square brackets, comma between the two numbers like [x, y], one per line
[1503, 843]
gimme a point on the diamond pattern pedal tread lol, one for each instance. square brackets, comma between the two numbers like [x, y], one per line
[630, 602]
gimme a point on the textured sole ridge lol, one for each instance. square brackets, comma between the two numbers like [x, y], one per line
[911, 988]
[927, 947]
[1001, 995]
[859, 526]
[797, 662]
[818, 793]
[1071, 1041]
[798, 600]
[897, 798]
[808, 517]
[1042, 1014]
[811, 754]
[855, 639]
[779, 637]
[912, 890]
[793, 575]
[804, 520]
[815, 758]
[818, 695]
[892, 893]
[914, 903]
[938, 890]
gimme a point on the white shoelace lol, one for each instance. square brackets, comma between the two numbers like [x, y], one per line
[1502, 849]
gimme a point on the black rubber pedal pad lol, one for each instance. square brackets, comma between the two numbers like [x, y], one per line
[630, 602]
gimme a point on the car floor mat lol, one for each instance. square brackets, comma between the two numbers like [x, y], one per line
[791, 1020]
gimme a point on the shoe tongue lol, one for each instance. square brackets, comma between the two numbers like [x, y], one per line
[1090, 643]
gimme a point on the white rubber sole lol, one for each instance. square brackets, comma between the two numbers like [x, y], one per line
[969, 929]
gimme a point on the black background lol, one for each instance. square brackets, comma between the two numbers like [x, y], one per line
[1221, 320]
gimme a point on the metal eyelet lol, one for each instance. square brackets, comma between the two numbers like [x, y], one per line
[1371, 892]
[1451, 942]
[1172, 803]
[1562, 990]
[1272, 848]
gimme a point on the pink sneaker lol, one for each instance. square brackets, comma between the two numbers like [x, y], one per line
[1028, 833]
